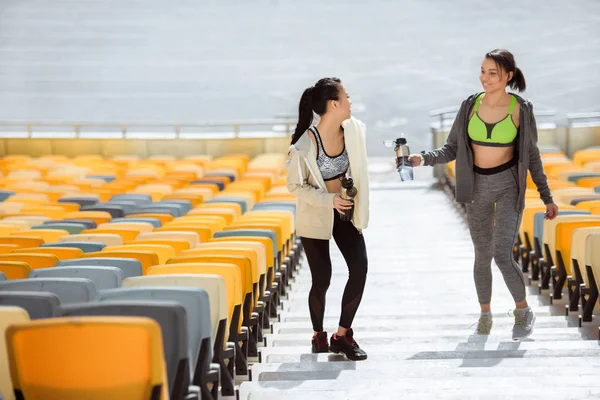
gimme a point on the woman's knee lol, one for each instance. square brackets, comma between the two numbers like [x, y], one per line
[358, 270]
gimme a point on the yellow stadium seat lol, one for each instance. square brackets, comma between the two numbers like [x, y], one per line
[190, 237]
[92, 358]
[99, 217]
[35, 261]
[235, 207]
[204, 233]
[8, 316]
[62, 253]
[107, 239]
[229, 272]
[141, 227]
[177, 245]
[22, 241]
[162, 251]
[48, 235]
[146, 258]
[163, 218]
[563, 242]
[15, 269]
[127, 234]
[226, 213]
[243, 263]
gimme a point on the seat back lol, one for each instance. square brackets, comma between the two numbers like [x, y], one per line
[213, 285]
[527, 221]
[578, 247]
[128, 266]
[107, 239]
[564, 237]
[171, 317]
[126, 234]
[103, 277]
[47, 235]
[192, 238]
[204, 233]
[146, 258]
[153, 221]
[194, 300]
[163, 218]
[229, 272]
[37, 304]
[242, 263]
[85, 247]
[141, 227]
[550, 231]
[540, 217]
[592, 256]
[9, 315]
[22, 241]
[72, 228]
[163, 252]
[14, 269]
[177, 245]
[34, 261]
[92, 358]
[68, 290]
[62, 253]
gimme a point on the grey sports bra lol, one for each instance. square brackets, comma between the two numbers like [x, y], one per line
[331, 167]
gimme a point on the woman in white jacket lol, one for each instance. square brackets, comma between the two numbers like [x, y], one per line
[318, 159]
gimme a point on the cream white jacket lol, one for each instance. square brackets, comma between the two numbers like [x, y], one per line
[314, 205]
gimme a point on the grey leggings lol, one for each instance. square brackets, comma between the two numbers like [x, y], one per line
[494, 230]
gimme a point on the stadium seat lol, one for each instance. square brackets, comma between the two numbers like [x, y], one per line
[95, 358]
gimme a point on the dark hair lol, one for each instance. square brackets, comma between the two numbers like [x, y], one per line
[506, 60]
[315, 99]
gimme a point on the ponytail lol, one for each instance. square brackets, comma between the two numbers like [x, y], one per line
[518, 81]
[504, 59]
[305, 114]
[314, 100]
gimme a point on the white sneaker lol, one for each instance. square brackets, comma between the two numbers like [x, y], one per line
[524, 320]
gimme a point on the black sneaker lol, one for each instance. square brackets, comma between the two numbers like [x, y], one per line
[347, 345]
[319, 343]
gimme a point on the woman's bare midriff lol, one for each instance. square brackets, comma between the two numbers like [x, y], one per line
[333, 186]
[490, 157]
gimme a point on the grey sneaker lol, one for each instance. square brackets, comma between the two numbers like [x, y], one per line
[484, 326]
[524, 320]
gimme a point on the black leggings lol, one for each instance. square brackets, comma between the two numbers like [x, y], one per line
[352, 245]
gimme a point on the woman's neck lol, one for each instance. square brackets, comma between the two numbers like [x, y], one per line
[330, 127]
[493, 99]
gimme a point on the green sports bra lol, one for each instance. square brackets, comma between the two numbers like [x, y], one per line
[500, 134]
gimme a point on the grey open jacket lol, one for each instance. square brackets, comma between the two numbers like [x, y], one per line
[457, 148]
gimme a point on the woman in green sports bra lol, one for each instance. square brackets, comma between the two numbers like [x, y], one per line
[494, 142]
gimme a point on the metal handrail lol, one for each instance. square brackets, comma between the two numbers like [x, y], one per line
[175, 128]
[579, 116]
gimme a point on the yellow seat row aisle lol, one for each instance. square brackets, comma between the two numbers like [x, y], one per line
[565, 251]
[99, 256]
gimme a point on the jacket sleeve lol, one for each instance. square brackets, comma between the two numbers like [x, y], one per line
[297, 183]
[536, 168]
[447, 153]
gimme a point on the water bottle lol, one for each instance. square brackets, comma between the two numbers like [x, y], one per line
[405, 169]
[349, 194]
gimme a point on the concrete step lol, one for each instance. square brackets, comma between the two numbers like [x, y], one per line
[418, 323]
[517, 366]
[408, 315]
[425, 388]
[379, 337]
[392, 370]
